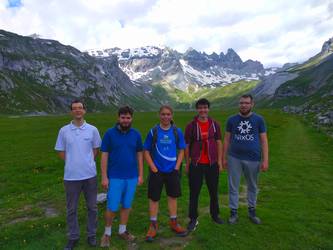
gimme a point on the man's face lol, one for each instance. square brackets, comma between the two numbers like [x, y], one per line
[125, 121]
[78, 111]
[203, 111]
[245, 105]
[165, 116]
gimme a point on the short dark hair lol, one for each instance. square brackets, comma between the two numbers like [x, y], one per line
[202, 101]
[125, 110]
[78, 101]
[247, 96]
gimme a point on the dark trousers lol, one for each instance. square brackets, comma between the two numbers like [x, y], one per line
[196, 174]
[73, 190]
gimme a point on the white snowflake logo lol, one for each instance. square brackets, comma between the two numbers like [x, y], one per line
[244, 127]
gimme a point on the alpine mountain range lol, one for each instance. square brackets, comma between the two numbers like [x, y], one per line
[42, 76]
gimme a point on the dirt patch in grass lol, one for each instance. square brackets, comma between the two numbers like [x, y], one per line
[48, 212]
[23, 219]
[174, 242]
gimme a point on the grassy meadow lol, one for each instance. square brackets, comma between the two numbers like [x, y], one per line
[295, 199]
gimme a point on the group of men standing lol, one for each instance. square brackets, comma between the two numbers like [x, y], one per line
[244, 150]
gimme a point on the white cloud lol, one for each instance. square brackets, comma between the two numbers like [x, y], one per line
[273, 32]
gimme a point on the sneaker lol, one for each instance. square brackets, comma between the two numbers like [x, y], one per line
[105, 241]
[71, 244]
[252, 216]
[177, 228]
[233, 219]
[127, 236]
[151, 234]
[92, 241]
[217, 220]
[192, 225]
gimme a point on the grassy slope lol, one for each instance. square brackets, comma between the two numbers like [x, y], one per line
[225, 96]
[294, 201]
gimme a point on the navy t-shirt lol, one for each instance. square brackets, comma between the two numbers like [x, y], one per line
[245, 139]
[122, 149]
[165, 152]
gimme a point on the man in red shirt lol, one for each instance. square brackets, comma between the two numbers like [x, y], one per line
[203, 156]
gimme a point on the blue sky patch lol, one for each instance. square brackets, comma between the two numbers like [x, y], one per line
[14, 3]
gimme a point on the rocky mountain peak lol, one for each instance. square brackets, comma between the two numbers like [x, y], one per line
[327, 46]
[233, 57]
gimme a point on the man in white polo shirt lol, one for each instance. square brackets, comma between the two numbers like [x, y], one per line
[77, 144]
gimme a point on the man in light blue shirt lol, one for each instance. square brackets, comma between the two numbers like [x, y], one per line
[77, 144]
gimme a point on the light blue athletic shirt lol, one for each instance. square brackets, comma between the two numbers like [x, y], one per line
[165, 152]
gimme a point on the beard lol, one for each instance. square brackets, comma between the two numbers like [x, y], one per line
[246, 112]
[125, 127]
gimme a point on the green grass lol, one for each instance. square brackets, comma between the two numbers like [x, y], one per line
[295, 198]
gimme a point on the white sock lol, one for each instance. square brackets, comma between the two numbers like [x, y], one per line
[108, 231]
[122, 229]
[173, 217]
[153, 218]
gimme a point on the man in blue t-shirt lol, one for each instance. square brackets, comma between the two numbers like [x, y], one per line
[122, 171]
[245, 150]
[160, 151]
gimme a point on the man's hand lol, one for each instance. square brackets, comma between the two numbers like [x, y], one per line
[105, 183]
[225, 164]
[187, 167]
[219, 163]
[264, 166]
[140, 180]
[154, 169]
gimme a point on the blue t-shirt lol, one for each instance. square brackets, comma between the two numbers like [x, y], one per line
[122, 148]
[165, 152]
[245, 140]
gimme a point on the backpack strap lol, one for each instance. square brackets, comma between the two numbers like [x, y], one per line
[154, 140]
[175, 133]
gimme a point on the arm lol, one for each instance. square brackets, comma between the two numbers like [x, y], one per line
[150, 162]
[139, 156]
[104, 165]
[187, 158]
[225, 148]
[95, 151]
[219, 154]
[62, 155]
[179, 159]
[264, 148]
[188, 133]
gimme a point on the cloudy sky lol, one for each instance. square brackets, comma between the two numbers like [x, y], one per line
[273, 32]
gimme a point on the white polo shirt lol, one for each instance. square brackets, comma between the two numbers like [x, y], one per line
[78, 144]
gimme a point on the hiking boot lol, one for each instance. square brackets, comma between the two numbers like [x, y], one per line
[177, 228]
[92, 241]
[71, 244]
[217, 220]
[151, 234]
[252, 216]
[105, 241]
[127, 236]
[192, 225]
[233, 219]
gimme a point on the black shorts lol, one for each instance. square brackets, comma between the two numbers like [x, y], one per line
[156, 181]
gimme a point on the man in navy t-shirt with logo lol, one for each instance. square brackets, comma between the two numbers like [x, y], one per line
[122, 171]
[245, 150]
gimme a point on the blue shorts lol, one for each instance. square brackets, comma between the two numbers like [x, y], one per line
[121, 191]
